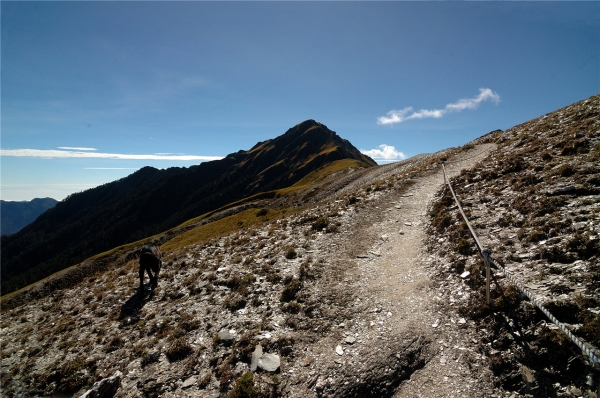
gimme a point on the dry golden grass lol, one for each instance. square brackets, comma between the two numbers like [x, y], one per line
[221, 227]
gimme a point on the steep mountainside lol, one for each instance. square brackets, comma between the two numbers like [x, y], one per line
[16, 215]
[150, 201]
[350, 287]
[535, 203]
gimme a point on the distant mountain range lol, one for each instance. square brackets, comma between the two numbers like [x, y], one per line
[16, 215]
[150, 201]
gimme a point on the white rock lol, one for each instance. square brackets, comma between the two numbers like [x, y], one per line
[189, 382]
[339, 350]
[265, 335]
[350, 340]
[269, 362]
[255, 357]
[106, 387]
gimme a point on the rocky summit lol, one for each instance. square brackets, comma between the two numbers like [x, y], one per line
[364, 282]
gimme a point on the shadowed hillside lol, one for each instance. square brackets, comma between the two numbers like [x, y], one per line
[150, 201]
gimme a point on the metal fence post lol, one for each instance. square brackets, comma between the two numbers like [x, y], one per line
[486, 260]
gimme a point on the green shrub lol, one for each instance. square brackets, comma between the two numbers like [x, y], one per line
[234, 302]
[464, 247]
[244, 387]
[291, 254]
[292, 307]
[262, 212]
[178, 349]
[290, 291]
[320, 224]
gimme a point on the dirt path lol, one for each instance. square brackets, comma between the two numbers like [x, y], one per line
[398, 274]
[393, 333]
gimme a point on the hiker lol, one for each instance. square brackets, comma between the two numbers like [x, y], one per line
[150, 261]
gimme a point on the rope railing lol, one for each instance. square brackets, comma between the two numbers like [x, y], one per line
[589, 351]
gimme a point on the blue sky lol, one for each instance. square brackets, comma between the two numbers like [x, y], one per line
[92, 91]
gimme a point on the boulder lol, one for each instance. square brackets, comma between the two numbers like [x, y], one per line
[269, 362]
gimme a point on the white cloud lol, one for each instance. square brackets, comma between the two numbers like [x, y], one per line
[399, 116]
[472, 103]
[53, 153]
[385, 153]
[394, 116]
[71, 148]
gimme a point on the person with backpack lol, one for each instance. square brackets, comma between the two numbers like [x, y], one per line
[150, 261]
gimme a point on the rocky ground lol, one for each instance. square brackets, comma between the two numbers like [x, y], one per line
[534, 203]
[359, 289]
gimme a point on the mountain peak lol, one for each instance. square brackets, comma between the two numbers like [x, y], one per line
[310, 125]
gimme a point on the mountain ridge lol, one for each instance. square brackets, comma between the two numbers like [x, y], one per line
[150, 201]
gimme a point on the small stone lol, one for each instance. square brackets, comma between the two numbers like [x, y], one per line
[189, 382]
[350, 340]
[321, 384]
[465, 274]
[576, 391]
[265, 335]
[339, 350]
[462, 321]
[226, 337]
